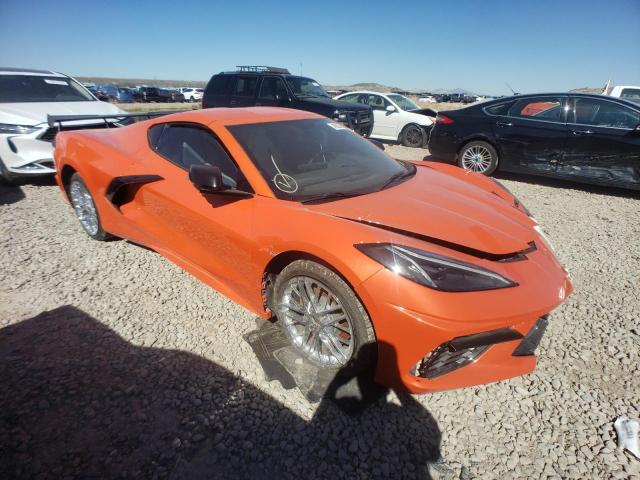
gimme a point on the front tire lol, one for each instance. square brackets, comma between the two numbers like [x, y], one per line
[323, 318]
[85, 209]
[412, 136]
[479, 157]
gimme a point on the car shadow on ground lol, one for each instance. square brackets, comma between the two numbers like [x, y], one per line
[10, 194]
[78, 401]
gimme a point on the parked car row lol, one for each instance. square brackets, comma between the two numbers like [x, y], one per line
[143, 93]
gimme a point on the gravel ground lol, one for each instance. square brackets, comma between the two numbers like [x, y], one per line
[115, 363]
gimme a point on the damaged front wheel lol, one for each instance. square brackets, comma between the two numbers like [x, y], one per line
[323, 318]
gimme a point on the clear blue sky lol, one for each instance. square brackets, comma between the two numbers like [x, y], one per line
[537, 45]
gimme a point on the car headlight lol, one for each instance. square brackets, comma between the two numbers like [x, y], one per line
[434, 271]
[16, 129]
[340, 116]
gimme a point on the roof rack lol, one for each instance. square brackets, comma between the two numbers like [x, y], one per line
[261, 68]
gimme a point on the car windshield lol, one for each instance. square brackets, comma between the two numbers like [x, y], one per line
[36, 88]
[403, 102]
[305, 87]
[305, 160]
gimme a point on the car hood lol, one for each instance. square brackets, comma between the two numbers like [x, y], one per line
[335, 104]
[443, 207]
[36, 113]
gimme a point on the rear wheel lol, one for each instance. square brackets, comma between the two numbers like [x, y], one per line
[479, 157]
[412, 136]
[323, 318]
[85, 208]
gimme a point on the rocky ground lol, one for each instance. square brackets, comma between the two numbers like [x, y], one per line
[115, 363]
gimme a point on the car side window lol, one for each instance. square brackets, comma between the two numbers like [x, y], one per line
[245, 86]
[500, 109]
[186, 145]
[351, 98]
[377, 102]
[539, 108]
[272, 86]
[603, 113]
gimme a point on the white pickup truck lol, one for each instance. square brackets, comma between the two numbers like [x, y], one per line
[628, 92]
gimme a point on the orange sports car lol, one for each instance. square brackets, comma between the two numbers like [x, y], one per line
[297, 218]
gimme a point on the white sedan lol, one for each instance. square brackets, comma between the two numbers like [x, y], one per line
[26, 98]
[396, 118]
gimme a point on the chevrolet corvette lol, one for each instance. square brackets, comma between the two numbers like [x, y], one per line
[434, 276]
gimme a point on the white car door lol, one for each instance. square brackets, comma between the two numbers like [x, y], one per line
[385, 124]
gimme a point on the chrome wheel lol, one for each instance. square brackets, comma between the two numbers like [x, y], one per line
[84, 207]
[477, 159]
[316, 322]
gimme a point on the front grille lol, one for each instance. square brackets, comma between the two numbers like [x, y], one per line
[442, 360]
[363, 117]
[461, 351]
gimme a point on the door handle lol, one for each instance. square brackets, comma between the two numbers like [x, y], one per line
[581, 132]
[232, 102]
[504, 124]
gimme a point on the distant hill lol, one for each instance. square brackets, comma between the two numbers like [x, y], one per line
[587, 90]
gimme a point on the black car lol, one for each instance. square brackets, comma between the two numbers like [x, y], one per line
[586, 138]
[169, 95]
[150, 94]
[271, 86]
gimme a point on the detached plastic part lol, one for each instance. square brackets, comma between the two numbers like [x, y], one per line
[627, 430]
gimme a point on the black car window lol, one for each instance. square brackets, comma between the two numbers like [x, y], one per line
[186, 145]
[538, 108]
[377, 102]
[500, 109]
[245, 86]
[272, 86]
[603, 113]
[219, 84]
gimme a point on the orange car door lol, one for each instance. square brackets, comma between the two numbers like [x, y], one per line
[209, 231]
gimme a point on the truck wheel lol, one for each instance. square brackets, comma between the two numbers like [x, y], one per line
[412, 136]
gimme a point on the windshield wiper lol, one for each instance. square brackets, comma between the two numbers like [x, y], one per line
[330, 196]
[396, 177]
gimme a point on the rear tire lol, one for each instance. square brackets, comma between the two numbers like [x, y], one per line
[480, 157]
[343, 338]
[85, 209]
[412, 136]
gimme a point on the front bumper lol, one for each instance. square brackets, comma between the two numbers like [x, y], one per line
[414, 325]
[27, 155]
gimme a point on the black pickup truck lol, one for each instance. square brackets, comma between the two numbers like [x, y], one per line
[270, 86]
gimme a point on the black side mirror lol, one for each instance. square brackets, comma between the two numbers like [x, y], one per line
[206, 178]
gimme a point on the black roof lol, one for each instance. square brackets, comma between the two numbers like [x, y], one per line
[559, 94]
[27, 70]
